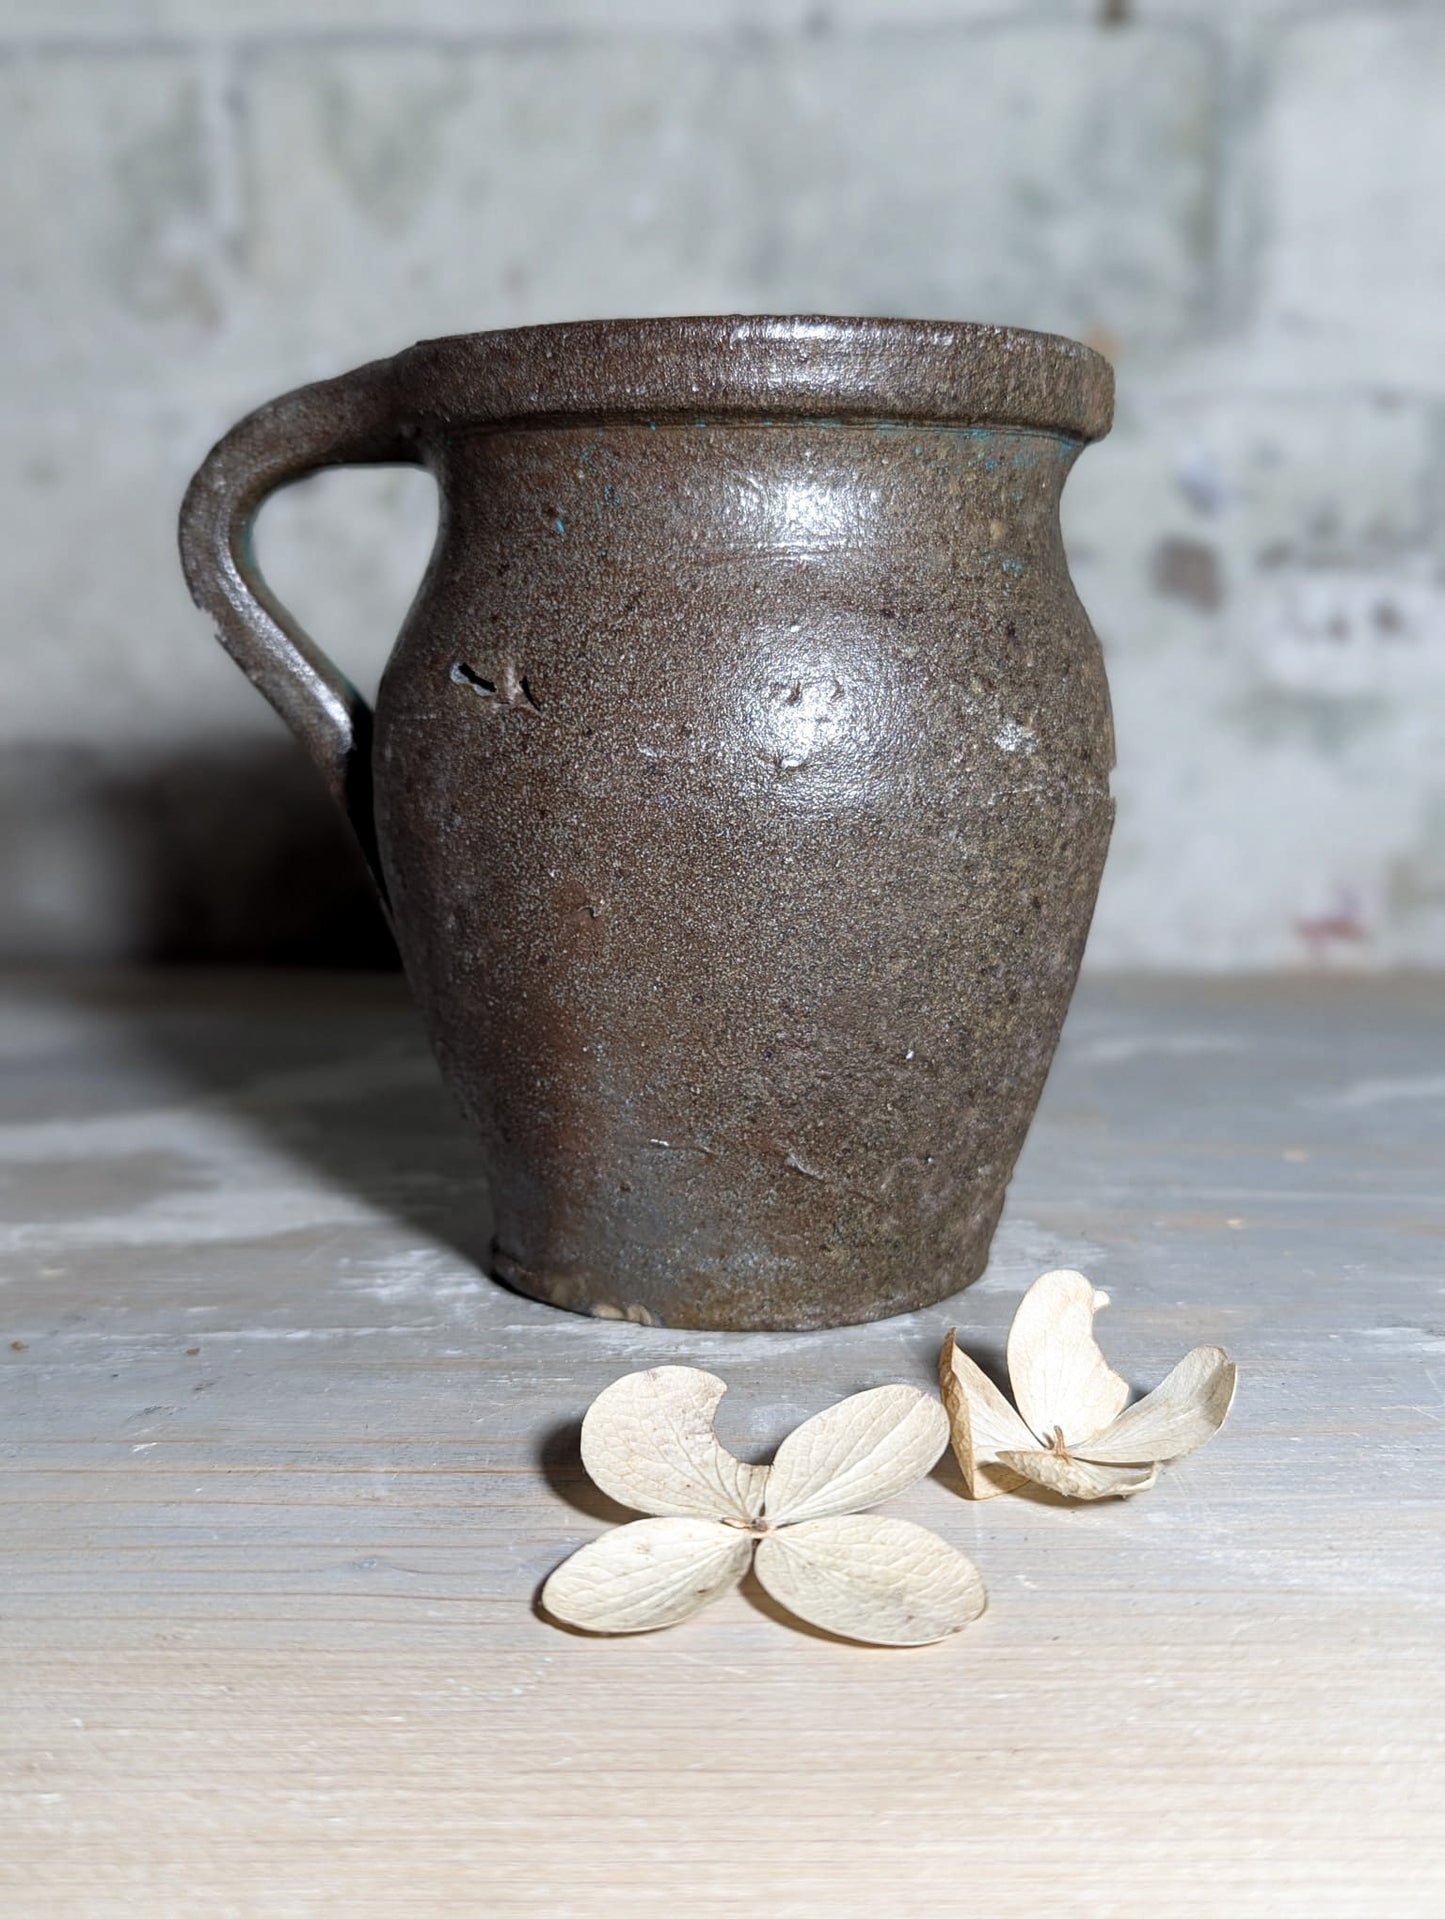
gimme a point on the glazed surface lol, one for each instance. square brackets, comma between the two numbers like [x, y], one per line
[742, 796]
[752, 366]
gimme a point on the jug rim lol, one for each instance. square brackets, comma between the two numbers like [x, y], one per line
[763, 367]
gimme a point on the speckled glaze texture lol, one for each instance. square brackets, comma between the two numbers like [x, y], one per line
[740, 784]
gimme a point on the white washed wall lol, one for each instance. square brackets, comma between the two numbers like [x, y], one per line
[202, 204]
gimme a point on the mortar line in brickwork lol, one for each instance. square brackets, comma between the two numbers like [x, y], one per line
[357, 40]
[748, 32]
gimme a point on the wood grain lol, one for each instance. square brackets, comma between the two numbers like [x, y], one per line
[282, 1475]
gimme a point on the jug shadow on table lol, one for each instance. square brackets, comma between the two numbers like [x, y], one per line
[228, 852]
[233, 855]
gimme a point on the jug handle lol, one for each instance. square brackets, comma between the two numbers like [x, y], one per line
[351, 420]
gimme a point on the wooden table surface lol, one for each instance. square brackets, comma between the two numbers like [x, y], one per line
[282, 1473]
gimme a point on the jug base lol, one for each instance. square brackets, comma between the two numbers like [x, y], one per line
[742, 1311]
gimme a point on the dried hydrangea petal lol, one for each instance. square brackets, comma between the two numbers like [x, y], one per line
[1081, 1478]
[857, 1453]
[1059, 1377]
[981, 1423]
[651, 1573]
[648, 1441]
[1188, 1408]
[867, 1577]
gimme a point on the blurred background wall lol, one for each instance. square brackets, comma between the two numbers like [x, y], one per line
[202, 204]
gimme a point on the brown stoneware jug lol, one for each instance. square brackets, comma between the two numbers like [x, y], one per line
[738, 789]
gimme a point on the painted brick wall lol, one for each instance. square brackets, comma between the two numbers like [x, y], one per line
[202, 204]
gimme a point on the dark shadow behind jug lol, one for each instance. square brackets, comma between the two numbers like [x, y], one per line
[738, 786]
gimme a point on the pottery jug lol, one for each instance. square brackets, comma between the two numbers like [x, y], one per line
[738, 789]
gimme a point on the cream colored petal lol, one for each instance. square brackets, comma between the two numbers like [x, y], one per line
[1081, 1478]
[648, 1440]
[1188, 1408]
[857, 1453]
[651, 1573]
[1059, 1376]
[981, 1423]
[867, 1577]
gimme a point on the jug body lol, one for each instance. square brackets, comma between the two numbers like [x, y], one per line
[739, 789]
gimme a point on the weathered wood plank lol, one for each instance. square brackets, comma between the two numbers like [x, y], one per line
[280, 1475]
